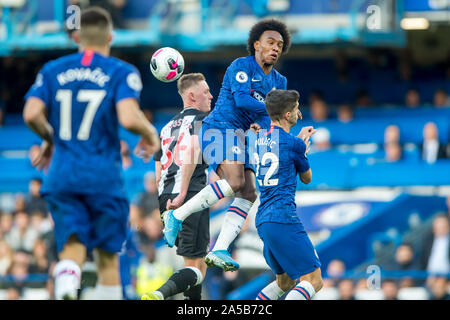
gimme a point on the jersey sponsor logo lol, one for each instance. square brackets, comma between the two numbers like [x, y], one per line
[134, 81]
[83, 74]
[180, 122]
[241, 77]
[258, 96]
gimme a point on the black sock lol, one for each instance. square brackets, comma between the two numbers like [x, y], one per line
[194, 293]
[180, 281]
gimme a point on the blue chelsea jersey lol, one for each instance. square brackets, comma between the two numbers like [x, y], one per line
[244, 76]
[80, 92]
[279, 157]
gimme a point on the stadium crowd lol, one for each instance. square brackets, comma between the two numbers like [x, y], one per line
[27, 246]
[28, 254]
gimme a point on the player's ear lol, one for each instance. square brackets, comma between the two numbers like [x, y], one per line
[191, 95]
[256, 45]
[110, 37]
[287, 115]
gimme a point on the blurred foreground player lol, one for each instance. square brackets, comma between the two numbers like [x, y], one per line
[279, 158]
[181, 175]
[239, 107]
[76, 105]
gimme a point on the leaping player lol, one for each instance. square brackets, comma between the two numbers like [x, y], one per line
[239, 106]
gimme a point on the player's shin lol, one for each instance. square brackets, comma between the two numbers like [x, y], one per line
[233, 223]
[206, 198]
[180, 281]
[302, 291]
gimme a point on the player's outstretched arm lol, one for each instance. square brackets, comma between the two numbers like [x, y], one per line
[190, 160]
[133, 119]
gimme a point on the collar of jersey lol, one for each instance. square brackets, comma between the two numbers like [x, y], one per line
[188, 108]
[260, 69]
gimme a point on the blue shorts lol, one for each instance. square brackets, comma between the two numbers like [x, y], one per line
[288, 249]
[99, 221]
[219, 143]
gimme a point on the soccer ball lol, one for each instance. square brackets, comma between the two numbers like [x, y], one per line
[167, 64]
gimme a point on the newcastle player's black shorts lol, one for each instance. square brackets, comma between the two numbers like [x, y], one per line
[193, 239]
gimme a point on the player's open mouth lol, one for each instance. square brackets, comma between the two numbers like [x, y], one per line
[274, 56]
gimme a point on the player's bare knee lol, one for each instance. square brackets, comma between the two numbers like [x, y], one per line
[285, 283]
[236, 183]
[315, 279]
[318, 284]
[249, 194]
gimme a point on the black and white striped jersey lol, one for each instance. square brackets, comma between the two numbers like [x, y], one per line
[175, 136]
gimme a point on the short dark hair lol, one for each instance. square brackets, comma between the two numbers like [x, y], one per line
[278, 102]
[95, 26]
[264, 25]
[188, 80]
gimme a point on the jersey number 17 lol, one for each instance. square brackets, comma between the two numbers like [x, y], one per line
[93, 98]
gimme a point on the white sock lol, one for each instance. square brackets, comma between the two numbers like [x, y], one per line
[159, 294]
[233, 222]
[67, 275]
[198, 273]
[103, 292]
[303, 291]
[271, 292]
[207, 197]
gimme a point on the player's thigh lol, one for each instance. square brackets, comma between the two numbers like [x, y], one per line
[264, 234]
[248, 191]
[221, 145]
[105, 260]
[70, 217]
[284, 282]
[233, 172]
[315, 278]
[193, 239]
[109, 218]
[162, 199]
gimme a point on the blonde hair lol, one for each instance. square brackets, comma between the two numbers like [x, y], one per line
[188, 80]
